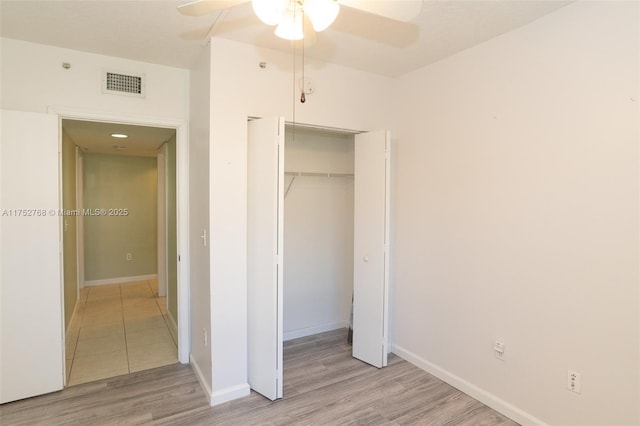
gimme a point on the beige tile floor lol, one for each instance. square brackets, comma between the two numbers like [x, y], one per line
[118, 329]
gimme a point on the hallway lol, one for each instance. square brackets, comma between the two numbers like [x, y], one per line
[118, 329]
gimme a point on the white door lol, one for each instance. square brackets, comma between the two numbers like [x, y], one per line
[265, 200]
[370, 244]
[31, 350]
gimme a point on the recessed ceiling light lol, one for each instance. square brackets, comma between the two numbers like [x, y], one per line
[119, 135]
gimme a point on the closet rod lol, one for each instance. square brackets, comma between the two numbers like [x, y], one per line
[318, 174]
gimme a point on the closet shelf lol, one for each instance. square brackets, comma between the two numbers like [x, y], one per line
[296, 174]
[318, 174]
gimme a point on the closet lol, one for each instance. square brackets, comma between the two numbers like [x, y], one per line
[318, 231]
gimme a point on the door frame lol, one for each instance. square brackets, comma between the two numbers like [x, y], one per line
[79, 222]
[162, 220]
[182, 189]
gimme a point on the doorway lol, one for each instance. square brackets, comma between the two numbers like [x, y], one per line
[123, 314]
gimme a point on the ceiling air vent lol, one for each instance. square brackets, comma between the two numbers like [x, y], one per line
[118, 83]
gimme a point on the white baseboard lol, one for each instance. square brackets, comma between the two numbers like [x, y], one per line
[489, 399]
[223, 395]
[120, 280]
[203, 383]
[230, 393]
[303, 332]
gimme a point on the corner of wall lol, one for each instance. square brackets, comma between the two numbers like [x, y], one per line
[230, 393]
[201, 379]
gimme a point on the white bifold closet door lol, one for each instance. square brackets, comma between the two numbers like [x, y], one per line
[371, 247]
[265, 201]
[31, 346]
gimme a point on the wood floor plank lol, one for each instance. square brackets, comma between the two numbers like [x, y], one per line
[324, 385]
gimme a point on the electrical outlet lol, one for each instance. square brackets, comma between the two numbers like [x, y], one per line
[498, 349]
[574, 380]
[129, 256]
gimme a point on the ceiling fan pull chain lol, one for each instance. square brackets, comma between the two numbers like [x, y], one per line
[293, 93]
[303, 98]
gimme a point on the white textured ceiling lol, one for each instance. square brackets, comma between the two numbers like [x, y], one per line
[153, 31]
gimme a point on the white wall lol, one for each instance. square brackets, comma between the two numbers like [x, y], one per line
[318, 233]
[130, 182]
[32, 79]
[344, 98]
[516, 216]
[199, 141]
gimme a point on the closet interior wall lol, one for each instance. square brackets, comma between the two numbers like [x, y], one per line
[318, 231]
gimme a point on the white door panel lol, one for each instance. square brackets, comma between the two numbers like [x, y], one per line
[264, 254]
[371, 234]
[31, 350]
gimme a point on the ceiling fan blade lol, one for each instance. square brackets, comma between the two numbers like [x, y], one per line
[398, 10]
[204, 7]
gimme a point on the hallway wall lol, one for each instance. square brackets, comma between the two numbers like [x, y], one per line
[69, 231]
[114, 183]
[172, 237]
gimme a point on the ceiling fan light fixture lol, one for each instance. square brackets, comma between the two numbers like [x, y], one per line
[290, 26]
[270, 11]
[322, 13]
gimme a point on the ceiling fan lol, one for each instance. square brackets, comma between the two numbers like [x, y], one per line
[289, 16]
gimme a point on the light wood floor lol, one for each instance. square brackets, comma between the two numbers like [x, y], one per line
[323, 385]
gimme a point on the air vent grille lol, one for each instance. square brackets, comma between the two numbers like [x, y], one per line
[123, 84]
